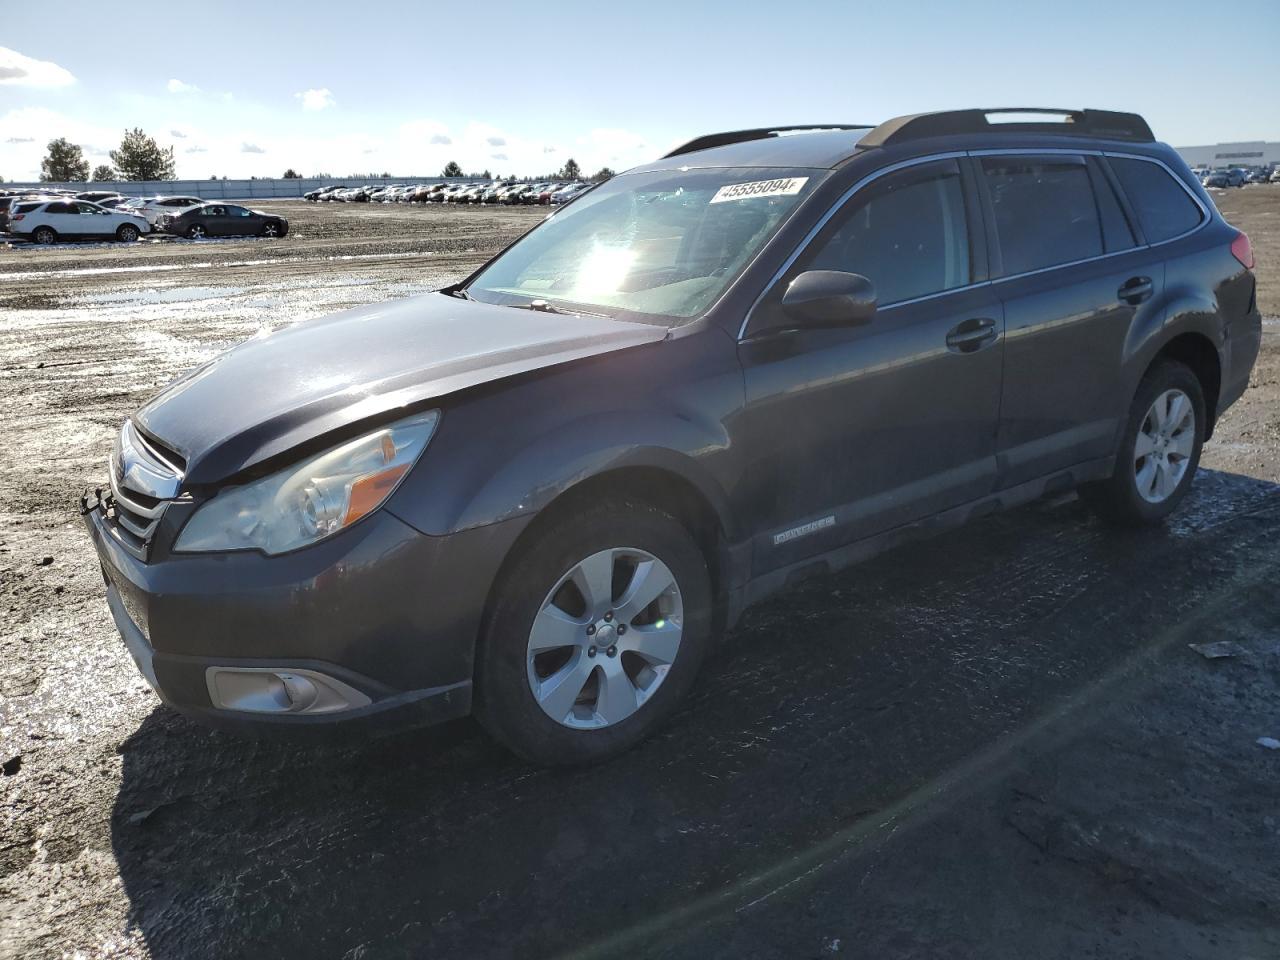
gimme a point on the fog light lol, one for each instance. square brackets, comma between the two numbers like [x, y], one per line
[278, 690]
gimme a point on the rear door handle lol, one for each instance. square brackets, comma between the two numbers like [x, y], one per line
[970, 335]
[1135, 290]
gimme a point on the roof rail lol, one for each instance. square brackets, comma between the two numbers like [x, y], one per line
[1106, 124]
[742, 136]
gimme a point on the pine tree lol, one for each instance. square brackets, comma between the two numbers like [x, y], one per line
[141, 158]
[64, 162]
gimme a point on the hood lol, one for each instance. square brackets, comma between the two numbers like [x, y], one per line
[272, 393]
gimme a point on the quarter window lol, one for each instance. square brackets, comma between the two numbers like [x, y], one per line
[1162, 206]
[1045, 212]
[907, 235]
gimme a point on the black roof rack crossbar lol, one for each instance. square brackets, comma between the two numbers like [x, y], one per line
[1106, 124]
[742, 136]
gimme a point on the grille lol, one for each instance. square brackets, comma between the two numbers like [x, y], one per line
[145, 479]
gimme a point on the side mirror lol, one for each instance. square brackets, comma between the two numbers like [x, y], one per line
[830, 298]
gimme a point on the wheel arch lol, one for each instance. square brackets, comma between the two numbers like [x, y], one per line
[659, 486]
[1196, 351]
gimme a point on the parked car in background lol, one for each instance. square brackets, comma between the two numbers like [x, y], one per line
[159, 207]
[1256, 176]
[226, 220]
[49, 221]
[114, 203]
[97, 196]
[515, 194]
[1275, 176]
[1217, 178]
[546, 193]
[566, 194]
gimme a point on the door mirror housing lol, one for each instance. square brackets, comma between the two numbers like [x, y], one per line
[829, 298]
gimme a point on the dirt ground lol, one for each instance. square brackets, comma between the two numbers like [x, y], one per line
[995, 745]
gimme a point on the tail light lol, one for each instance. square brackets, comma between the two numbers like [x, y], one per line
[1242, 250]
[18, 216]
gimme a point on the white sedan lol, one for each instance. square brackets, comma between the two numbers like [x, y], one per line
[157, 208]
[48, 221]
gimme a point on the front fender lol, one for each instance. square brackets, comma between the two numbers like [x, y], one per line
[549, 465]
[510, 449]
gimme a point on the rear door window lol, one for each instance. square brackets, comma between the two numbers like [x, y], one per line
[1045, 211]
[1164, 209]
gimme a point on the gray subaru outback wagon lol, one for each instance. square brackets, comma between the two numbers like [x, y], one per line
[537, 495]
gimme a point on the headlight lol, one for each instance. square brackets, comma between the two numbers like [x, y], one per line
[313, 499]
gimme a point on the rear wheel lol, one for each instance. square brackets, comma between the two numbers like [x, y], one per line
[196, 231]
[127, 233]
[45, 235]
[595, 634]
[1159, 452]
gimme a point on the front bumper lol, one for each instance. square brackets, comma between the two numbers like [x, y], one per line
[381, 609]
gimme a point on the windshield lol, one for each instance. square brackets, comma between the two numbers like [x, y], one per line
[649, 246]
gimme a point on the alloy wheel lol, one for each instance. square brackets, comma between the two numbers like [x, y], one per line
[196, 232]
[1162, 450]
[270, 230]
[605, 638]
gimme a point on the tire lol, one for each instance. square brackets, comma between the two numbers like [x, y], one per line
[127, 233]
[273, 229]
[1148, 486]
[196, 232]
[590, 727]
[45, 235]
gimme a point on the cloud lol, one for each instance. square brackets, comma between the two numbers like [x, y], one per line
[196, 150]
[21, 140]
[549, 149]
[251, 148]
[315, 99]
[441, 139]
[178, 133]
[497, 141]
[177, 86]
[497, 156]
[19, 70]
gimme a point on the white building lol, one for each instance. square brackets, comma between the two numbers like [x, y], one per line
[1255, 153]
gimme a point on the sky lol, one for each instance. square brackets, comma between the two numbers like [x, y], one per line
[252, 88]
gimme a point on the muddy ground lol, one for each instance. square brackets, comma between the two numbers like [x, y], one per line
[996, 744]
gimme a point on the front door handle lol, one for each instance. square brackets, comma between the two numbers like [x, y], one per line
[971, 335]
[1135, 290]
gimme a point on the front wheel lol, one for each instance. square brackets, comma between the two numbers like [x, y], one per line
[127, 233]
[1159, 452]
[594, 635]
[271, 229]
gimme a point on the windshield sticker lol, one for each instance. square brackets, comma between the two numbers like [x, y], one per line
[760, 188]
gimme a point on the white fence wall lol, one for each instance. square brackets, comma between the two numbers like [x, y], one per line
[225, 189]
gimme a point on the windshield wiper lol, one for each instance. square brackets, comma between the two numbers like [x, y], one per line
[542, 306]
